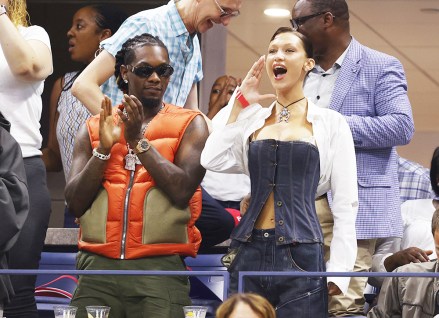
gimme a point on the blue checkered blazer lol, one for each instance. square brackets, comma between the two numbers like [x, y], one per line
[371, 91]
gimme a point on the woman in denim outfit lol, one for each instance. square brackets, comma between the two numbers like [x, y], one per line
[294, 152]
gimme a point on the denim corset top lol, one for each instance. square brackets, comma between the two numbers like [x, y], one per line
[291, 170]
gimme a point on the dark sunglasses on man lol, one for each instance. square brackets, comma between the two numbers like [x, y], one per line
[145, 71]
[297, 22]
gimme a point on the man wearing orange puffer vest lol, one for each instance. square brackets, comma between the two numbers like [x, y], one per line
[134, 185]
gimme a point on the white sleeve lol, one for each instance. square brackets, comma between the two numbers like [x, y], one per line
[35, 32]
[226, 149]
[344, 193]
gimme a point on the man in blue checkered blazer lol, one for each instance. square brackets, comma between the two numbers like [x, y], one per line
[370, 89]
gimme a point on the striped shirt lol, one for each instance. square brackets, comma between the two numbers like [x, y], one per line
[414, 181]
[184, 50]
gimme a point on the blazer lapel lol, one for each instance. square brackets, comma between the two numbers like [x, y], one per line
[348, 73]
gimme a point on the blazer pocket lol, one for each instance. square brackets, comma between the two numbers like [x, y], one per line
[94, 220]
[374, 181]
[163, 222]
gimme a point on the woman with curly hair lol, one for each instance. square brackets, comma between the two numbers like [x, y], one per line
[25, 62]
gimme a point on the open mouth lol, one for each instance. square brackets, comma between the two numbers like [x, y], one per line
[71, 46]
[279, 71]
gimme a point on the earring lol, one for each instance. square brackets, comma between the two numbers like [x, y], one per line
[125, 80]
[98, 51]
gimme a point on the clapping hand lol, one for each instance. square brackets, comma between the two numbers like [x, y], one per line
[132, 118]
[109, 131]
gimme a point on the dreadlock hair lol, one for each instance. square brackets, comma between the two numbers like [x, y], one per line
[126, 54]
[107, 16]
[339, 8]
[17, 12]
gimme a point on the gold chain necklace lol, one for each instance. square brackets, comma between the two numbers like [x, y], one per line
[285, 114]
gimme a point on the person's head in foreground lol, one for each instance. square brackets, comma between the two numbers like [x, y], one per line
[246, 305]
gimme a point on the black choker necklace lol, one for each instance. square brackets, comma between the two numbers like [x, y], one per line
[284, 114]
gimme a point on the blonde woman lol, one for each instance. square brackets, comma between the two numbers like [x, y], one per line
[25, 62]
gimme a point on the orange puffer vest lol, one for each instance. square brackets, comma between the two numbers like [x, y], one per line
[132, 218]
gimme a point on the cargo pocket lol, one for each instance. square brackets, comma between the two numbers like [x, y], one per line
[94, 220]
[163, 222]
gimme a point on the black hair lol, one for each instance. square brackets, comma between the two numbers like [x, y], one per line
[108, 16]
[434, 171]
[306, 42]
[435, 222]
[339, 8]
[126, 54]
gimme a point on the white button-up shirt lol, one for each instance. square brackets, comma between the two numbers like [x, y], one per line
[227, 147]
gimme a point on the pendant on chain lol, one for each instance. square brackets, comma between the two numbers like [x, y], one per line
[130, 160]
[284, 115]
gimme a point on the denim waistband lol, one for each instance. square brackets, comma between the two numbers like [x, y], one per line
[263, 235]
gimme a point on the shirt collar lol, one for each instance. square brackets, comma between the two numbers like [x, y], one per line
[341, 58]
[337, 64]
[175, 20]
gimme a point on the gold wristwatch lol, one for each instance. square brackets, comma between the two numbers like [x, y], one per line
[143, 145]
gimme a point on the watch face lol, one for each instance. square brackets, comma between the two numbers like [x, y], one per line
[143, 144]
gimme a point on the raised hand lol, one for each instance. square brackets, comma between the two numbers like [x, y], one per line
[409, 255]
[250, 84]
[132, 118]
[109, 132]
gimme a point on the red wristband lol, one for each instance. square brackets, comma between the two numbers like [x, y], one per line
[244, 102]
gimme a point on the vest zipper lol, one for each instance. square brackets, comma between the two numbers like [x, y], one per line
[125, 216]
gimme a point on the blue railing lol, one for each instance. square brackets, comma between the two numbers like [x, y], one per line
[242, 274]
[224, 274]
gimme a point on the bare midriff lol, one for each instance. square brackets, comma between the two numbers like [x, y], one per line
[265, 219]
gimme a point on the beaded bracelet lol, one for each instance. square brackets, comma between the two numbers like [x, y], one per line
[244, 102]
[100, 155]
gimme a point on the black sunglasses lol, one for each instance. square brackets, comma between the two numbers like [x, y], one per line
[297, 22]
[145, 71]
